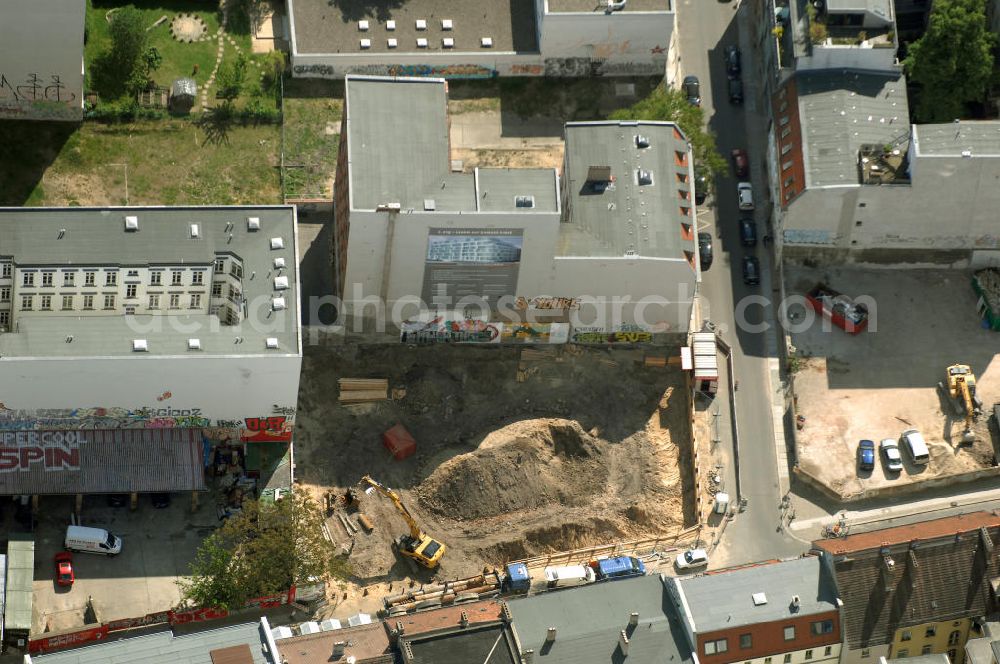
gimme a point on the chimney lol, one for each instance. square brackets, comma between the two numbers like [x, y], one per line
[796, 602]
[528, 656]
[338, 649]
[550, 635]
[465, 619]
[633, 619]
[623, 642]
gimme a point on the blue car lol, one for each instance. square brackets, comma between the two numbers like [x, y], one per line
[866, 455]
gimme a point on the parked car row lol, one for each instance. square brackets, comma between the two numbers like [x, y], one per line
[912, 441]
[733, 69]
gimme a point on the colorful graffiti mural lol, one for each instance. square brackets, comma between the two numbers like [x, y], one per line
[443, 71]
[273, 429]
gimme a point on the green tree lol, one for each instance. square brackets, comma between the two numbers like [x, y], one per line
[263, 550]
[129, 61]
[671, 105]
[953, 61]
[232, 76]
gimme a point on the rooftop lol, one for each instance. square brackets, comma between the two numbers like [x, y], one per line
[601, 6]
[881, 8]
[322, 26]
[166, 648]
[589, 619]
[20, 572]
[955, 139]
[82, 237]
[439, 637]
[398, 148]
[842, 111]
[622, 217]
[924, 530]
[367, 643]
[759, 594]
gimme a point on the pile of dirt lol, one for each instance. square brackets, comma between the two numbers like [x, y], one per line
[523, 466]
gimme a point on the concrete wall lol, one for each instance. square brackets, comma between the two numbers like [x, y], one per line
[107, 393]
[439, 65]
[622, 43]
[849, 57]
[41, 59]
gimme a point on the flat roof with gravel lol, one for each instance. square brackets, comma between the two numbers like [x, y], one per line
[839, 112]
[601, 6]
[958, 139]
[322, 26]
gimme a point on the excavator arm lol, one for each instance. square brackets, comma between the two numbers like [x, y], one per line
[415, 531]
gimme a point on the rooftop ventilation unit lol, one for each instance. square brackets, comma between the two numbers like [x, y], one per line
[271, 342]
[139, 346]
[641, 141]
[599, 174]
[486, 42]
[253, 223]
[194, 230]
[279, 263]
[363, 26]
[194, 344]
[366, 43]
[447, 42]
[796, 603]
[277, 243]
[644, 177]
[430, 204]
[966, 153]
[390, 25]
[446, 24]
[392, 43]
[631, 252]
[759, 599]
[421, 24]
[524, 201]
[421, 42]
[278, 303]
[280, 283]
[131, 223]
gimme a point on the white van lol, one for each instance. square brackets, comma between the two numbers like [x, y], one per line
[914, 443]
[92, 540]
[572, 575]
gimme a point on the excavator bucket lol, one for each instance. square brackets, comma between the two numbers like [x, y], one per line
[968, 436]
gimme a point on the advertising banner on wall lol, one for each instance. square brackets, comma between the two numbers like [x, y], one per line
[625, 334]
[471, 262]
[534, 333]
[445, 329]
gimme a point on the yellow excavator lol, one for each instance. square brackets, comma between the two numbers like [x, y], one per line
[962, 389]
[418, 545]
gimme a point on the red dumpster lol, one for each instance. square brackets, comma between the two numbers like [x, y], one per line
[399, 441]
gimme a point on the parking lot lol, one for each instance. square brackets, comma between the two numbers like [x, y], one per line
[158, 545]
[878, 383]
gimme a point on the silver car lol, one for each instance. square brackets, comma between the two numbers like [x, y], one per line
[890, 455]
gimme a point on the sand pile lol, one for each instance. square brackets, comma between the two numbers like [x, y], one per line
[523, 466]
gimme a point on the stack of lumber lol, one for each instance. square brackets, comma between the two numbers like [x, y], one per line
[358, 390]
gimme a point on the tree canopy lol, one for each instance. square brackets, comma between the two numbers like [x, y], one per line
[671, 105]
[261, 551]
[129, 61]
[953, 61]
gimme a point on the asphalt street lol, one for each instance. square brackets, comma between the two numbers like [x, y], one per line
[705, 28]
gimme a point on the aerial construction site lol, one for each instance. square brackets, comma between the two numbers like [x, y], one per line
[518, 453]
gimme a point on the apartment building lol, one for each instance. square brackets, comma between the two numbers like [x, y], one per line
[131, 327]
[920, 589]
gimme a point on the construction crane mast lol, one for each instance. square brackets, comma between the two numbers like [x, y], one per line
[417, 545]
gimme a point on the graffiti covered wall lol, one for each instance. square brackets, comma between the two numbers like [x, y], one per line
[41, 59]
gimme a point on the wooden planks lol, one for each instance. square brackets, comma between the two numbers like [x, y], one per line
[359, 390]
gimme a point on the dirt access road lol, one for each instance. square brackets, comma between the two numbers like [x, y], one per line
[584, 449]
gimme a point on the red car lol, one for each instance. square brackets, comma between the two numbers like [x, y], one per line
[64, 568]
[741, 164]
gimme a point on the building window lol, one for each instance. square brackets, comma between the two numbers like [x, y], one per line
[46, 278]
[827, 651]
[716, 647]
[787, 659]
[220, 264]
[746, 640]
[217, 290]
[27, 302]
[155, 278]
[196, 300]
[236, 271]
[88, 301]
[786, 148]
[902, 653]
[5, 294]
[926, 650]
[28, 279]
[130, 310]
[132, 273]
[154, 301]
[198, 277]
[88, 278]
[767, 660]
[175, 277]
[789, 181]
[783, 120]
[46, 302]
[175, 300]
[4, 318]
[954, 637]
[787, 165]
[5, 269]
[790, 633]
[930, 632]
[906, 635]
[68, 278]
[109, 301]
[866, 653]
[785, 132]
[110, 278]
[130, 291]
[809, 654]
[67, 302]
[822, 627]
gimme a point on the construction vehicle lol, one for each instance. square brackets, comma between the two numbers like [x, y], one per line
[417, 545]
[962, 391]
